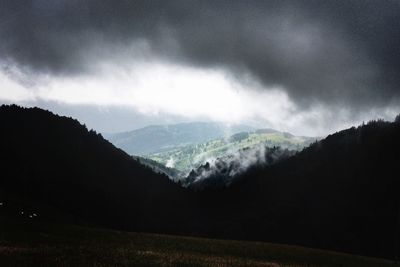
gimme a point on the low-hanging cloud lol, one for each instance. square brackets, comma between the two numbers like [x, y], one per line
[223, 171]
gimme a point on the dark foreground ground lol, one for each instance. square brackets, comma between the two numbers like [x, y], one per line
[34, 243]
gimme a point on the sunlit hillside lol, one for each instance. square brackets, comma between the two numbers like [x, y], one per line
[191, 157]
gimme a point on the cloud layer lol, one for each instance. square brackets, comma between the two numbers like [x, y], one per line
[335, 54]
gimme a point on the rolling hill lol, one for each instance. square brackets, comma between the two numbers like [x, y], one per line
[190, 157]
[55, 161]
[340, 193]
[158, 138]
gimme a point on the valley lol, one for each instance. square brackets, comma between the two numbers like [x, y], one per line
[179, 149]
[200, 133]
[190, 157]
[339, 193]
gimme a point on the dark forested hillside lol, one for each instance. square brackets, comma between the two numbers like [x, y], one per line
[223, 171]
[340, 193]
[57, 161]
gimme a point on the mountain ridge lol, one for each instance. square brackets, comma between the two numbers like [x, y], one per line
[58, 161]
[340, 193]
[156, 138]
[190, 157]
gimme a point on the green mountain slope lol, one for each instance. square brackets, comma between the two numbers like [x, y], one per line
[158, 167]
[158, 138]
[189, 157]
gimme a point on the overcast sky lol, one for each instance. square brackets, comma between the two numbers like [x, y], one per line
[308, 67]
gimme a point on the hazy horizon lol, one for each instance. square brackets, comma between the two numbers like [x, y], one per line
[303, 67]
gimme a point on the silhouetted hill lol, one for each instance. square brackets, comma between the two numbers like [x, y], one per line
[340, 193]
[57, 161]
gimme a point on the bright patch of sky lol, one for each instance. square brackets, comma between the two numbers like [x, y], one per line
[187, 92]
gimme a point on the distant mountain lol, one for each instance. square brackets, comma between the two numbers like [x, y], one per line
[189, 157]
[158, 138]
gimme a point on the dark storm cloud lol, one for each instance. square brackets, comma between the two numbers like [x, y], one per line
[333, 52]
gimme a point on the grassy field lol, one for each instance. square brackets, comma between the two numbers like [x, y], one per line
[29, 243]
